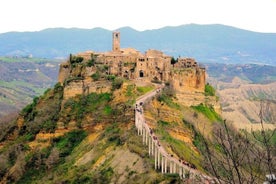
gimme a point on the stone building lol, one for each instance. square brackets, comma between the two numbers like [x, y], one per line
[184, 75]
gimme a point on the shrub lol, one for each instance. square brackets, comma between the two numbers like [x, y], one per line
[91, 62]
[49, 126]
[117, 83]
[173, 61]
[209, 90]
[75, 59]
[168, 100]
[69, 141]
[58, 87]
[209, 112]
[28, 111]
[110, 77]
[96, 76]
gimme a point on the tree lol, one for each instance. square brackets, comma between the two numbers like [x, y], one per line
[231, 156]
[173, 61]
[265, 139]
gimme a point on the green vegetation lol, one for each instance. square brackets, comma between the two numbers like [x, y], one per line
[91, 62]
[45, 117]
[144, 89]
[30, 108]
[209, 112]
[94, 104]
[167, 97]
[173, 61]
[181, 149]
[110, 77]
[130, 91]
[38, 162]
[75, 59]
[198, 138]
[117, 83]
[209, 90]
[270, 134]
[69, 141]
[96, 76]
[133, 92]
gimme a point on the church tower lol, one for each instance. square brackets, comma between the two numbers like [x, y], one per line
[116, 42]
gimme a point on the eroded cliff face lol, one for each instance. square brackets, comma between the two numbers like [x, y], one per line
[64, 72]
[189, 87]
[188, 80]
[76, 78]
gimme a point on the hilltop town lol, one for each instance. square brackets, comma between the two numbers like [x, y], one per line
[184, 75]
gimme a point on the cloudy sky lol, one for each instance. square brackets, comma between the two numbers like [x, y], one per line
[35, 15]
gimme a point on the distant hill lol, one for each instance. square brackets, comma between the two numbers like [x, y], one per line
[251, 73]
[207, 43]
[21, 79]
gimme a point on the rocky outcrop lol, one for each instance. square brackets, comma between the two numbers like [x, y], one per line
[64, 72]
[188, 80]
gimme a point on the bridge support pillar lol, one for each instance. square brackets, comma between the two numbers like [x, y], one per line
[162, 164]
[146, 132]
[155, 158]
[183, 173]
[152, 146]
[149, 145]
[171, 163]
[180, 171]
[143, 134]
[158, 159]
[165, 159]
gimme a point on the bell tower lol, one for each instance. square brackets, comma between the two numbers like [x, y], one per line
[116, 41]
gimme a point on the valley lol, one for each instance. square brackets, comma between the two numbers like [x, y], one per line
[22, 79]
[241, 88]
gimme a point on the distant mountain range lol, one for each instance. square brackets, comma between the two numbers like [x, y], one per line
[207, 43]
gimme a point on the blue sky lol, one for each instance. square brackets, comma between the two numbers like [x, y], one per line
[35, 15]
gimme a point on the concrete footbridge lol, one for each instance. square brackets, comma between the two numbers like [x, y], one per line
[164, 162]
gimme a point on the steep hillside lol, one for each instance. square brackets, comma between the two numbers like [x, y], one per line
[207, 43]
[92, 139]
[97, 130]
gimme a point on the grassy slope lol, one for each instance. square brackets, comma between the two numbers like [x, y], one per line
[79, 155]
[178, 128]
[106, 149]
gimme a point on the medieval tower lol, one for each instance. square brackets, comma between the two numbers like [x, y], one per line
[116, 42]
